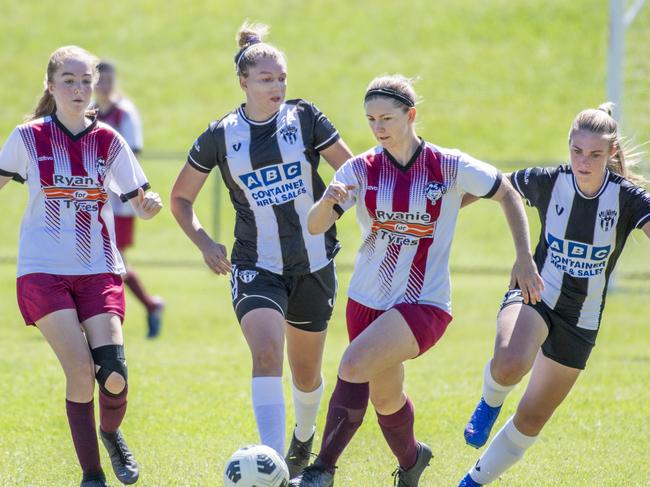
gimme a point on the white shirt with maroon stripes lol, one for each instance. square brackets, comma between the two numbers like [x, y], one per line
[67, 227]
[407, 216]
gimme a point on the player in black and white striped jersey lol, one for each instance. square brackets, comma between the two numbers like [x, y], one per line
[587, 211]
[267, 151]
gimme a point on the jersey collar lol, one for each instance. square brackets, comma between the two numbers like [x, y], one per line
[411, 161]
[242, 114]
[74, 137]
[598, 193]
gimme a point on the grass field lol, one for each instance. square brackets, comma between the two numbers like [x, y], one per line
[500, 79]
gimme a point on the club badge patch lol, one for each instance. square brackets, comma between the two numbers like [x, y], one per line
[607, 219]
[247, 276]
[434, 191]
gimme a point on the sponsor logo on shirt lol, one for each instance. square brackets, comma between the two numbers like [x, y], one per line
[403, 228]
[45, 158]
[275, 185]
[79, 192]
[607, 219]
[434, 191]
[576, 258]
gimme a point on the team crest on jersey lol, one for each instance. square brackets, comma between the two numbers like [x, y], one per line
[288, 133]
[101, 167]
[607, 219]
[247, 276]
[434, 191]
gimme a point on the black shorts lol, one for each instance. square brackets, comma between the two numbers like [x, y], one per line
[565, 344]
[306, 301]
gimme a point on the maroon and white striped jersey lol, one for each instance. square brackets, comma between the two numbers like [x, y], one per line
[68, 226]
[124, 118]
[407, 216]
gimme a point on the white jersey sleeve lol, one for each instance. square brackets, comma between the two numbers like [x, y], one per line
[125, 176]
[346, 175]
[14, 160]
[477, 177]
[131, 126]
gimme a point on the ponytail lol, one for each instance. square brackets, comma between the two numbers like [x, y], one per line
[45, 106]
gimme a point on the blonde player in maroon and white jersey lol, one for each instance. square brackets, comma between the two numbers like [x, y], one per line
[69, 283]
[408, 193]
[116, 110]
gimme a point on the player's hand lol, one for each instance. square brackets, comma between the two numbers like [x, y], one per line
[215, 257]
[337, 192]
[149, 203]
[525, 276]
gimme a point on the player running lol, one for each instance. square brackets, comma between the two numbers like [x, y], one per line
[69, 282]
[587, 210]
[408, 193]
[268, 150]
[119, 112]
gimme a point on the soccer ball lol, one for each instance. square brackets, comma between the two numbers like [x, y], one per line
[256, 466]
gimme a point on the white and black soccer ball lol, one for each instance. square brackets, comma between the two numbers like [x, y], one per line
[256, 466]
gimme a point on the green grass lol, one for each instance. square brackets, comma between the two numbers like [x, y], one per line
[500, 79]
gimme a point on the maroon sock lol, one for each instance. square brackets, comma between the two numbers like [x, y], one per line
[112, 409]
[135, 285]
[344, 416]
[81, 418]
[399, 434]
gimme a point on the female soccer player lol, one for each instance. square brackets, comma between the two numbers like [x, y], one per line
[69, 282]
[119, 112]
[268, 151]
[587, 210]
[408, 193]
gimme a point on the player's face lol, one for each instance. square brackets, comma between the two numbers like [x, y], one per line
[266, 85]
[105, 84]
[589, 155]
[389, 123]
[72, 86]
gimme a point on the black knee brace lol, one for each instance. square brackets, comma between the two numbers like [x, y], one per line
[109, 359]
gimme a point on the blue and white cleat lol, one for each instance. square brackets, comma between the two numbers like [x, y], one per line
[477, 430]
[469, 482]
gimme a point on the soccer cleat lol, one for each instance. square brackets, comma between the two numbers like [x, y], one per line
[94, 480]
[411, 477]
[468, 481]
[298, 455]
[154, 317]
[313, 476]
[124, 464]
[477, 430]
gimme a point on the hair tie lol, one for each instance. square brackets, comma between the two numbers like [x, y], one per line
[391, 93]
[252, 40]
[604, 110]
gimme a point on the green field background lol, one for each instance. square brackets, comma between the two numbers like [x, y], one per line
[500, 79]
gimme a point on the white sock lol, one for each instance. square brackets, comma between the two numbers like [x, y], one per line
[493, 393]
[306, 405]
[507, 448]
[268, 404]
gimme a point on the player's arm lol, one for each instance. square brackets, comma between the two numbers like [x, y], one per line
[468, 198]
[336, 154]
[327, 210]
[146, 205]
[4, 180]
[524, 271]
[186, 188]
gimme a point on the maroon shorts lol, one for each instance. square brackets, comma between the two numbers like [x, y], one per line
[41, 294]
[428, 323]
[124, 230]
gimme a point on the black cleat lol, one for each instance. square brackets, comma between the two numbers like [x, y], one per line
[124, 464]
[313, 476]
[298, 455]
[94, 480]
[411, 477]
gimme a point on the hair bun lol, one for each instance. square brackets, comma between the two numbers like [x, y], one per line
[607, 107]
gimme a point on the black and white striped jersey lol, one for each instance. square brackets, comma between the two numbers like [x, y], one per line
[270, 170]
[581, 237]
